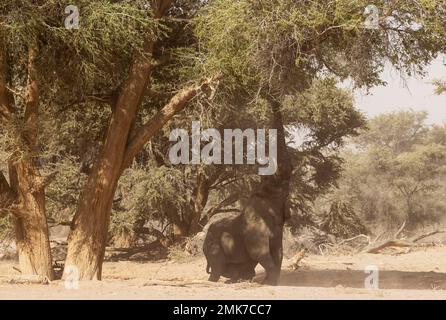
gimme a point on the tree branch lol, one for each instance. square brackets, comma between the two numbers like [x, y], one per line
[6, 98]
[32, 100]
[418, 238]
[13, 209]
[7, 195]
[43, 182]
[161, 7]
[148, 130]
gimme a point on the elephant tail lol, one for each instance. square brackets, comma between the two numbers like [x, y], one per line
[208, 268]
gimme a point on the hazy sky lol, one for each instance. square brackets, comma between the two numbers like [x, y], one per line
[413, 93]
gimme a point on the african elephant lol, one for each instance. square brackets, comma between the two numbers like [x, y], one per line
[254, 236]
[225, 253]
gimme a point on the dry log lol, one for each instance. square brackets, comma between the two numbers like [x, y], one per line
[29, 279]
[390, 243]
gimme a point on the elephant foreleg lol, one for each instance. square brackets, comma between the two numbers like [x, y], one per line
[272, 270]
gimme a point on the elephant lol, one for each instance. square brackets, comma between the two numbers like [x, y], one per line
[254, 236]
[225, 253]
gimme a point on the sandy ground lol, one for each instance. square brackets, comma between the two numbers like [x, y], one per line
[419, 274]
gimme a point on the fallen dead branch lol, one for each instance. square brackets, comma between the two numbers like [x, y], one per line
[399, 243]
[397, 234]
[363, 242]
[418, 238]
[27, 279]
[170, 283]
[355, 238]
[390, 243]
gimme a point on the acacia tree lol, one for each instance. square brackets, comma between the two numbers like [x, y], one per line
[66, 67]
[275, 49]
[24, 195]
[117, 40]
[267, 50]
[122, 143]
[395, 173]
[33, 73]
[187, 196]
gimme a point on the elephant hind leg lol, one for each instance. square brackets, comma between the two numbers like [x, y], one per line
[217, 266]
[232, 272]
[248, 272]
[215, 275]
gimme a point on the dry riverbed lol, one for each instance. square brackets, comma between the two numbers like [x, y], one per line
[420, 274]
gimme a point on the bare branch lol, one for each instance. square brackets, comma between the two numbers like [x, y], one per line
[397, 234]
[418, 238]
[148, 130]
[7, 195]
[354, 238]
[14, 210]
[43, 182]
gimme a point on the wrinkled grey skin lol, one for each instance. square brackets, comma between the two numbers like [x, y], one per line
[225, 253]
[254, 236]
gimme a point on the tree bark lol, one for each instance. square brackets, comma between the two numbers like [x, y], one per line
[200, 199]
[89, 229]
[31, 229]
[26, 188]
[6, 99]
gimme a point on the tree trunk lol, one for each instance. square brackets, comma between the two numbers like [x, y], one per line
[411, 216]
[180, 230]
[200, 199]
[26, 184]
[31, 229]
[89, 230]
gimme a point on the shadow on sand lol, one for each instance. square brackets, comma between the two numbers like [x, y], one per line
[356, 278]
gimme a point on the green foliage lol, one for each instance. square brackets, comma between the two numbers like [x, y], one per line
[342, 221]
[440, 87]
[325, 112]
[153, 193]
[322, 117]
[397, 131]
[6, 230]
[80, 61]
[284, 44]
[396, 172]
[63, 192]
[296, 51]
